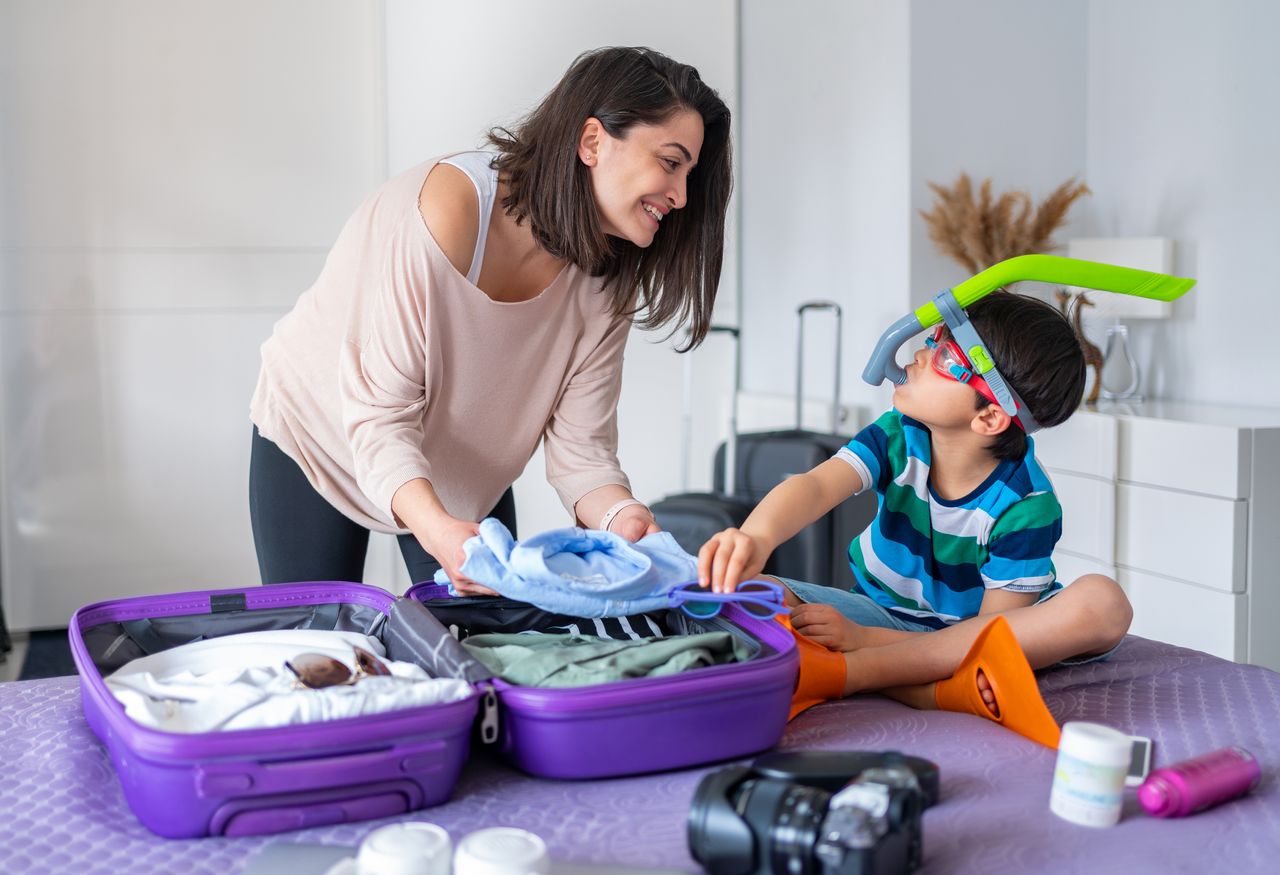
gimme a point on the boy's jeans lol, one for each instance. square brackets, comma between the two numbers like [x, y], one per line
[865, 611]
[859, 608]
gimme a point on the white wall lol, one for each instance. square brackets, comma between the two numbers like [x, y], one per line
[997, 90]
[452, 74]
[1165, 109]
[1183, 139]
[849, 110]
[173, 175]
[825, 150]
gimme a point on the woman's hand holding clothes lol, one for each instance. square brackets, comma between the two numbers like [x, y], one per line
[444, 542]
[613, 509]
[634, 523]
[417, 507]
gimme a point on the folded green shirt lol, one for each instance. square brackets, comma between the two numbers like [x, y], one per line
[547, 660]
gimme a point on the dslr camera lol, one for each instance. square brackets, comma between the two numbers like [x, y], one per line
[821, 812]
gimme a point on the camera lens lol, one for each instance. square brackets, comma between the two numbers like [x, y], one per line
[794, 832]
[734, 818]
[719, 838]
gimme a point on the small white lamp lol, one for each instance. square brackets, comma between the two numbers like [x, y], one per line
[1120, 376]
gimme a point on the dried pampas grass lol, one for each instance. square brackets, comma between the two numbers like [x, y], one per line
[982, 230]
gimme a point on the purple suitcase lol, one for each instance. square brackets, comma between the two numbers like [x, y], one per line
[256, 781]
[644, 724]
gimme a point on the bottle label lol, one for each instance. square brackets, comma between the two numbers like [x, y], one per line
[1086, 793]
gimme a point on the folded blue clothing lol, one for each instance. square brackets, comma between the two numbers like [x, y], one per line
[579, 572]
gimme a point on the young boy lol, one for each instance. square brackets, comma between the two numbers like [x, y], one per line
[966, 525]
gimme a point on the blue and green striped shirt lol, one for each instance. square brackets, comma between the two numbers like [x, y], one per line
[931, 560]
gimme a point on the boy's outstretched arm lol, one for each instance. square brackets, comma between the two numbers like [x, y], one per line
[734, 555]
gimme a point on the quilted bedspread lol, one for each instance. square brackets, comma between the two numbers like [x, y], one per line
[61, 809]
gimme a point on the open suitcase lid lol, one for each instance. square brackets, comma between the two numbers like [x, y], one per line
[112, 634]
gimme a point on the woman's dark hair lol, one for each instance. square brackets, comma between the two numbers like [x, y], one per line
[675, 278]
[1037, 352]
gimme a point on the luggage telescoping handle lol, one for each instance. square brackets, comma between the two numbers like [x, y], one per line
[686, 418]
[835, 398]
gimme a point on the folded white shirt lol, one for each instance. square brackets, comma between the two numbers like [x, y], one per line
[241, 682]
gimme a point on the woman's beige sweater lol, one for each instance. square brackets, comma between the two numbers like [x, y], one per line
[392, 366]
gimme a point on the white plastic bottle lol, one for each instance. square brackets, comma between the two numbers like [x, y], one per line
[1088, 780]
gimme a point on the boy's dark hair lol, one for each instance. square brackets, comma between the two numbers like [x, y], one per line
[675, 278]
[1036, 350]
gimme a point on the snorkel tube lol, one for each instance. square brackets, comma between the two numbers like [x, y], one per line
[948, 306]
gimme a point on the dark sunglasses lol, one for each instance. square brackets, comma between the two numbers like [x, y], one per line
[317, 671]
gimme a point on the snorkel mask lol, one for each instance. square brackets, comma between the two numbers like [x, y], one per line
[948, 306]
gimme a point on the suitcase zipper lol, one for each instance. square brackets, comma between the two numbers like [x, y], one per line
[489, 715]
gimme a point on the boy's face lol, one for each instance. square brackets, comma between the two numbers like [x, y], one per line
[944, 403]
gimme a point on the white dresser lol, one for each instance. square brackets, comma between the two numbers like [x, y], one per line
[1180, 503]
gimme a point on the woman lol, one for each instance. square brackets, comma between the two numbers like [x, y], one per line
[480, 303]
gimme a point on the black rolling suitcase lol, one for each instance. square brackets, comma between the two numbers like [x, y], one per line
[819, 553]
[693, 517]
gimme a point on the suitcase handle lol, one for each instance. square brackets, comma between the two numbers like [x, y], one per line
[686, 416]
[216, 779]
[835, 399]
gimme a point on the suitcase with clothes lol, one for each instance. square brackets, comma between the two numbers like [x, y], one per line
[254, 781]
[634, 725]
[693, 517]
[818, 553]
[266, 780]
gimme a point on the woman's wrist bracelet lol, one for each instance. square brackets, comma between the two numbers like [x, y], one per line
[613, 511]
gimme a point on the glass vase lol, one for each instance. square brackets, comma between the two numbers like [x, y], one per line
[1120, 375]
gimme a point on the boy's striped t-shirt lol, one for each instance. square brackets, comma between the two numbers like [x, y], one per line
[931, 560]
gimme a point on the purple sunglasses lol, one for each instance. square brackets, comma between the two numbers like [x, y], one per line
[760, 598]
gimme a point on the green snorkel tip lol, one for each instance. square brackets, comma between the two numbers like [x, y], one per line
[1163, 288]
[1072, 272]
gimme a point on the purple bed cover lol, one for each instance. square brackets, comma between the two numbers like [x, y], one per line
[61, 809]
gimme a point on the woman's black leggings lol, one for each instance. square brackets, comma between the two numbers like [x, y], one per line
[300, 536]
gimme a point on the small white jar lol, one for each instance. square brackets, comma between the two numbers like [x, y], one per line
[406, 849]
[501, 850]
[1088, 780]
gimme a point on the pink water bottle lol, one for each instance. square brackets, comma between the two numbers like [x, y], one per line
[1195, 784]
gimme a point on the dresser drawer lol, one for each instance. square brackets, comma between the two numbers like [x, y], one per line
[1186, 615]
[1210, 459]
[1195, 538]
[1084, 444]
[1088, 514]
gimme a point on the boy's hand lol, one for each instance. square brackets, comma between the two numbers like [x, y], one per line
[729, 558]
[825, 625]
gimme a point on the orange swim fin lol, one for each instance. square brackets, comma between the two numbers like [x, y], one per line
[996, 652]
[822, 673]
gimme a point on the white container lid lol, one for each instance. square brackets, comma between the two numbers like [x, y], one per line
[1095, 743]
[501, 851]
[405, 849]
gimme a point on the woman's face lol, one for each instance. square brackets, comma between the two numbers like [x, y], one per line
[641, 176]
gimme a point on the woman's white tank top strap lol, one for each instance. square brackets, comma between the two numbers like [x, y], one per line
[485, 179]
